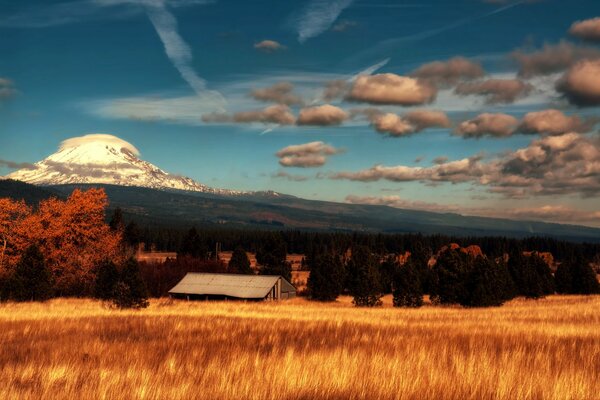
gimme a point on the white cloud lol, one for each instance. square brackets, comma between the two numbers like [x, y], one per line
[313, 154]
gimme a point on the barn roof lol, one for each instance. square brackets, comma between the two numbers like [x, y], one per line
[232, 285]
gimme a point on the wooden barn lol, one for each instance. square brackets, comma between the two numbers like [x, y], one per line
[203, 286]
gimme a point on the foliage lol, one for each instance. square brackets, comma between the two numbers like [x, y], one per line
[407, 289]
[72, 236]
[239, 262]
[364, 280]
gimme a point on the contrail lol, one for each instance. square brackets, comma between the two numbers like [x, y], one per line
[391, 43]
[319, 16]
[178, 50]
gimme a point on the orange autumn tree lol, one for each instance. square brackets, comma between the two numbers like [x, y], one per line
[72, 235]
[12, 215]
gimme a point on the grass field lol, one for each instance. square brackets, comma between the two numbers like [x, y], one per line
[78, 349]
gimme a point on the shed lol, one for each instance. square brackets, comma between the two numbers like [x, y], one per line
[195, 285]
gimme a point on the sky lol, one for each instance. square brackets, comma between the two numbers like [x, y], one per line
[481, 107]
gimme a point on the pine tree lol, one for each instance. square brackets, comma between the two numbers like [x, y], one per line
[193, 246]
[575, 276]
[364, 279]
[107, 278]
[131, 234]
[407, 289]
[325, 282]
[531, 275]
[584, 277]
[272, 258]
[449, 277]
[563, 278]
[31, 280]
[130, 291]
[420, 256]
[387, 271]
[239, 262]
[486, 284]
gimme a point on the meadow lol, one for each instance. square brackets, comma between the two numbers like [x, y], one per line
[81, 349]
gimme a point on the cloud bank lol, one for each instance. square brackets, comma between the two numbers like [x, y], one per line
[568, 164]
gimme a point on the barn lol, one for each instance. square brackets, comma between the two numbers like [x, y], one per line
[204, 286]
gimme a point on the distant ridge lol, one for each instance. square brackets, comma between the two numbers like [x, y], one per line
[176, 208]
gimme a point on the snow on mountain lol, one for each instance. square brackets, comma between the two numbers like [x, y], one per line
[106, 159]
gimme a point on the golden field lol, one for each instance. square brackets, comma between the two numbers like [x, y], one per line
[79, 349]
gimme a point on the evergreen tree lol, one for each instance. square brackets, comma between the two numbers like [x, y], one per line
[130, 291]
[407, 289]
[239, 262]
[563, 278]
[531, 275]
[486, 286]
[544, 274]
[131, 234]
[116, 221]
[420, 256]
[326, 276]
[575, 276]
[449, 277]
[193, 246]
[364, 279]
[387, 271]
[31, 280]
[272, 258]
[584, 277]
[107, 278]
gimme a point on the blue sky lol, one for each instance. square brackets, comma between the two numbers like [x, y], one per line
[148, 71]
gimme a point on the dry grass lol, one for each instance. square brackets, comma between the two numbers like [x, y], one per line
[76, 349]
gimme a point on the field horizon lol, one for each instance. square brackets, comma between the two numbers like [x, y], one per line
[80, 348]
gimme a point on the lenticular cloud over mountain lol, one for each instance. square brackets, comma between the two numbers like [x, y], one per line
[98, 137]
[104, 159]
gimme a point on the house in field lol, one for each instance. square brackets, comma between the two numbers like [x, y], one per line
[203, 286]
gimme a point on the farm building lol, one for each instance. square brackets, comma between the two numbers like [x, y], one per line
[223, 286]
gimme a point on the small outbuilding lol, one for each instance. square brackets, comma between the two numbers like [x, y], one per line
[204, 286]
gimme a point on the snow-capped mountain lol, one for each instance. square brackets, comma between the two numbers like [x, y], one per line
[106, 159]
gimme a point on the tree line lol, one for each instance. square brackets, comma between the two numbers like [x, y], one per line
[456, 277]
[71, 248]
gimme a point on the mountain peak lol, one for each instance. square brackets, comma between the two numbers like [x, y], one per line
[105, 159]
